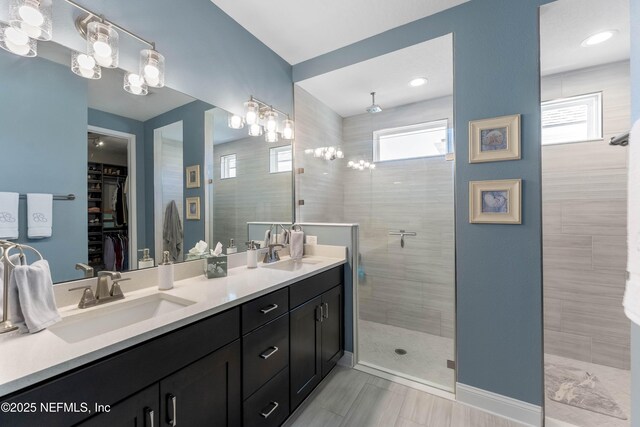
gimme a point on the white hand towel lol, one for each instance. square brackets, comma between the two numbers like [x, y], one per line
[267, 239]
[35, 295]
[15, 313]
[9, 215]
[632, 294]
[39, 215]
[296, 248]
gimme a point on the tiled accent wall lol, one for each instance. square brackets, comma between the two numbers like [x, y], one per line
[411, 287]
[584, 226]
[321, 184]
[254, 195]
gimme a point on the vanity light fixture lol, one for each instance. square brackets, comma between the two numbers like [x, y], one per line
[361, 165]
[235, 121]
[102, 44]
[17, 42]
[418, 81]
[326, 153]
[152, 67]
[251, 112]
[255, 130]
[598, 38]
[32, 17]
[85, 66]
[135, 84]
[288, 129]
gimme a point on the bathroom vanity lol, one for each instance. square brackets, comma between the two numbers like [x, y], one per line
[248, 350]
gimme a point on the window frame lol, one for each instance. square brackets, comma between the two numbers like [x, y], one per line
[599, 115]
[271, 163]
[413, 128]
[223, 166]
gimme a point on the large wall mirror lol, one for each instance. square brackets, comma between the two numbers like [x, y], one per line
[161, 171]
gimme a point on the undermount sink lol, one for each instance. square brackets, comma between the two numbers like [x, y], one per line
[108, 318]
[292, 264]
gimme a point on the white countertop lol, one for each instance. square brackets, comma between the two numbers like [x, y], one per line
[29, 359]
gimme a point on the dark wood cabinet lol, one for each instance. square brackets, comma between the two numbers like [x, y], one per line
[332, 329]
[305, 350]
[140, 410]
[205, 393]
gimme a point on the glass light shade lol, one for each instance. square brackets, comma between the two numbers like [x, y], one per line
[85, 66]
[339, 154]
[318, 152]
[235, 121]
[152, 67]
[308, 151]
[102, 44]
[288, 129]
[134, 84]
[17, 42]
[271, 136]
[372, 166]
[33, 17]
[271, 119]
[255, 129]
[351, 164]
[251, 112]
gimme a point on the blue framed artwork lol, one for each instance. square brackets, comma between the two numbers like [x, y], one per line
[495, 202]
[492, 140]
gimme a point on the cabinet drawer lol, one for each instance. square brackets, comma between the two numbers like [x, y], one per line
[269, 406]
[313, 286]
[264, 309]
[265, 352]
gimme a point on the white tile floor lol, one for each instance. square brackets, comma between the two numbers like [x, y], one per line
[616, 381]
[426, 358]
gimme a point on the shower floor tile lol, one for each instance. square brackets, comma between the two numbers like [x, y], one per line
[426, 357]
[616, 381]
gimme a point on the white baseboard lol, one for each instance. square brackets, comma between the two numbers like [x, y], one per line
[500, 405]
[346, 360]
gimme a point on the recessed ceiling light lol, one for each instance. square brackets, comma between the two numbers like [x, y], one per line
[598, 38]
[418, 81]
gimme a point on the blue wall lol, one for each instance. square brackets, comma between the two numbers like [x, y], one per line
[43, 149]
[193, 118]
[499, 283]
[635, 115]
[123, 124]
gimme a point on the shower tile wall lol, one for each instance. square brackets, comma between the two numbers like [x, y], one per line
[321, 184]
[584, 227]
[253, 194]
[410, 287]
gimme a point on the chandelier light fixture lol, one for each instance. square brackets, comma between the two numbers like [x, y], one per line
[326, 153]
[262, 118]
[361, 165]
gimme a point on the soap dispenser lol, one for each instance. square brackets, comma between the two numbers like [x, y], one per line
[232, 249]
[146, 261]
[165, 273]
[252, 254]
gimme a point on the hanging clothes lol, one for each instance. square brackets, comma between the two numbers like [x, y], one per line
[119, 205]
[172, 234]
[109, 254]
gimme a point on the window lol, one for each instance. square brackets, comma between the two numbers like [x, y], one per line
[408, 142]
[575, 119]
[280, 159]
[228, 166]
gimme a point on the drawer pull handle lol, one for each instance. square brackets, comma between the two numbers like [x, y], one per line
[319, 313]
[171, 420]
[325, 312]
[150, 414]
[269, 352]
[266, 414]
[271, 308]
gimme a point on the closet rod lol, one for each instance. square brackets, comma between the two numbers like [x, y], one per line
[56, 196]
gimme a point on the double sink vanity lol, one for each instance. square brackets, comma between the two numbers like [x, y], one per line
[245, 349]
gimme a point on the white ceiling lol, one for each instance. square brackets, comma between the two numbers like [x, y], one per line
[346, 90]
[565, 24]
[298, 30]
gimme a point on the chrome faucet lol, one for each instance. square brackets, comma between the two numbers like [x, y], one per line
[272, 253]
[103, 294]
[88, 270]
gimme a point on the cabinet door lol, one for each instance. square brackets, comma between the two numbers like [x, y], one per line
[140, 410]
[332, 325]
[305, 344]
[205, 393]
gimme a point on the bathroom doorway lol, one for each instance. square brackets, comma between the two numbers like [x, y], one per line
[585, 94]
[111, 200]
[384, 161]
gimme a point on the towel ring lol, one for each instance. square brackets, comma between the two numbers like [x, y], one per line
[22, 255]
[296, 227]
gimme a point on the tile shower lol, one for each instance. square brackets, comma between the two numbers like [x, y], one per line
[406, 296]
[584, 241]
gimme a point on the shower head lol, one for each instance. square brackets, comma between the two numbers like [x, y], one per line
[373, 108]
